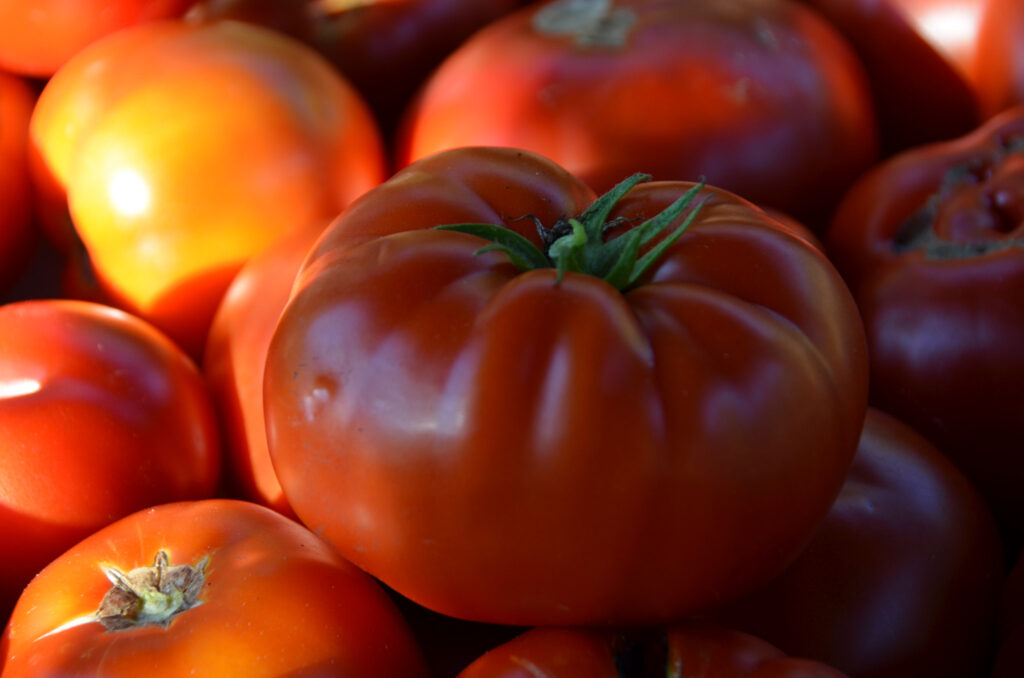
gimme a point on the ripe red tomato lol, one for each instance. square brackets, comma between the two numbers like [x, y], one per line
[903, 577]
[999, 65]
[16, 228]
[184, 150]
[385, 48]
[919, 57]
[38, 36]
[233, 363]
[100, 415]
[932, 245]
[539, 448]
[760, 97]
[683, 650]
[243, 591]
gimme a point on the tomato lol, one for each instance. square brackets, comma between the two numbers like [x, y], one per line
[1009, 660]
[233, 363]
[903, 577]
[999, 65]
[679, 651]
[240, 591]
[184, 150]
[538, 447]
[385, 48]
[930, 242]
[16, 228]
[100, 415]
[760, 97]
[919, 58]
[38, 36]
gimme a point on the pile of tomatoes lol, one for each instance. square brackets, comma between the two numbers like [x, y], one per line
[563, 338]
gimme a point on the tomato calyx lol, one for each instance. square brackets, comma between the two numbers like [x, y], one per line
[590, 23]
[150, 596]
[578, 244]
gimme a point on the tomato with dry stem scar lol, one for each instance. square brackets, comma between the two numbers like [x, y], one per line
[209, 588]
[563, 409]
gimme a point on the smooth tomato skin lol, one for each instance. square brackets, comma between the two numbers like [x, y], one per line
[17, 231]
[233, 362]
[693, 651]
[289, 142]
[760, 97]
[469, 423]
[945, 327]
[999, 57]
[387, 49]
[277, 602]
[38, 36]
[101, 415]
[920, 70]
[902, 578]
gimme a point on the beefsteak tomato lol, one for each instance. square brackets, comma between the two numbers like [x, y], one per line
[932, 244]
[596, 443]
[999, 57]
[206, 588]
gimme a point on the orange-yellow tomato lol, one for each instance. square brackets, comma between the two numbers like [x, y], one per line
[183, 150]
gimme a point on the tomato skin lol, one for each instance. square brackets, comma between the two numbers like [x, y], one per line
[901, 579]
[17, 232]
[999, 57]
[760, 97]
[945, 329]
[470, 422]
[39, 36]
[277, 602]
[113, 405]
[162, 242]
[692, 650]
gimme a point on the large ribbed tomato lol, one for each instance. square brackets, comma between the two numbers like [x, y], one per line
[531, 446]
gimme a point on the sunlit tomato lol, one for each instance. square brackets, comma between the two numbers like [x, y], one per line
[184, 150]
[902, 578]
[100, 415]
[208, 588]
[233, 363]
[38, 36]
[532, 448]
[919, 57]
[385, 48]
[999, 65]
[680, 651]
[760, 97]
[16, 229]
[932, 245]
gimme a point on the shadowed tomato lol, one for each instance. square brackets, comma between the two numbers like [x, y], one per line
[622, 439]
[932, 245]
[1009, 661]
[679, 651]
[208, 588]
[999, 65]
[100, 415]
[16, 228]
[39, 36]
[760, 97]
[902, 578]
[919, 57]
[183, 150]
[385, 48]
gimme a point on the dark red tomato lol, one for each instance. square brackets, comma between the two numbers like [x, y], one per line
[16, 229]
[1009, 661]
[531, 448]
[760, 97]
[233, 363]
[932, 245]
[38, 36]
[680, 651]
[902, 578]
[919, 57]
[999, 65]
[100, 415]
[385, 48]
[208, 589]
